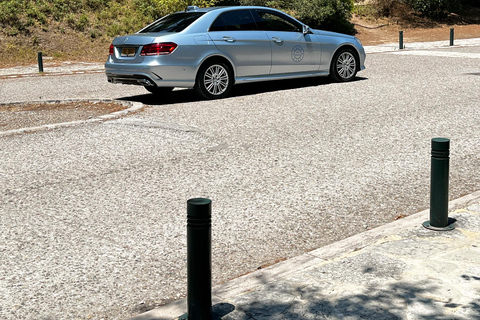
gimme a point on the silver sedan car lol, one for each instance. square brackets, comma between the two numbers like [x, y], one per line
[211, 49]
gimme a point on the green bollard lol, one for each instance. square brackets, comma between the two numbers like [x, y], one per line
[199, 259]
[439, 186]
[40, 62]
[452, 36]
[400, 39]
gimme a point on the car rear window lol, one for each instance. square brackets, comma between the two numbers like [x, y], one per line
[174, 22]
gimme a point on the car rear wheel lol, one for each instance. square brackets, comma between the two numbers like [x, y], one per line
[159, 90]
[214, 80]
[344, 66]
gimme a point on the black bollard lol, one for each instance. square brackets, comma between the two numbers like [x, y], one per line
[400, 39]
[439, 186]
[199, 259]
[40, 62]
[452, 36]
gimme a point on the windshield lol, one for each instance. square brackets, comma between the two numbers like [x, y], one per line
[174, 22]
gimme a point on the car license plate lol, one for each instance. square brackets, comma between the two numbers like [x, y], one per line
[128, 52]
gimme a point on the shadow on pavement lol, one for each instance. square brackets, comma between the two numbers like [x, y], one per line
[219, 311]
[189, 95]
[400, 300]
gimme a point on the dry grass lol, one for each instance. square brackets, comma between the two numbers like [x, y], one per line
[67, 46]
[59, 41]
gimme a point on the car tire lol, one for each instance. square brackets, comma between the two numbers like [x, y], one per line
[214, 80]
[344, 65]
[159, 90]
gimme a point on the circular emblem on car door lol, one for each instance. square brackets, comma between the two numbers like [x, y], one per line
[297, 54]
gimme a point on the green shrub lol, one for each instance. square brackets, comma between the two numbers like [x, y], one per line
[436, 8]
[82, 22]
[94, 34]
[384, 8]
[13, 31]
[10, 11]
[279, 4]
[77, 22]
[96, 4]
[114, 30]
[333, 15]
[67, 6]
[150, 9]
[35, 14]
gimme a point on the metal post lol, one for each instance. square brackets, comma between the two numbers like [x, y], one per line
[439, 186]
[199, 259]
[452, 36]
[40, 62]
[400, 38]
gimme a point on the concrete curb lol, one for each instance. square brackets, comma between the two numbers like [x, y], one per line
[224, 292]
[133, 107]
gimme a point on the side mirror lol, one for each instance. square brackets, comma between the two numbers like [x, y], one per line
[306, 30]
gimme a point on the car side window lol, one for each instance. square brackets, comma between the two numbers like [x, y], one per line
[238, 20]
[273, 21]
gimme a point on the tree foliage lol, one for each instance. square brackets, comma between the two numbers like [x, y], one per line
[436, 8]
[96, 17]
[331, 15]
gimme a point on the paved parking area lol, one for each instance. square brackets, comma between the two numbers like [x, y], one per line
[94, 216]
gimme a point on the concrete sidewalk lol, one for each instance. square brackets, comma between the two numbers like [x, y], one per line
[398, 271]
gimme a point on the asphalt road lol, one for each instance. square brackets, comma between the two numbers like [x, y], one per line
[93, 217]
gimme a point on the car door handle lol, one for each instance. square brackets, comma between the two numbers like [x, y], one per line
[277, 40]
[228, 39]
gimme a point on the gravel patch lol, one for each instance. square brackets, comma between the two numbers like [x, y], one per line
[16, 116]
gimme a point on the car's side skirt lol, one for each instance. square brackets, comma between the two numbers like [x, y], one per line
[281, 76]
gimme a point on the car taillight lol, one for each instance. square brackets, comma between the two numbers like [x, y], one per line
[111, 50]
[155, 49]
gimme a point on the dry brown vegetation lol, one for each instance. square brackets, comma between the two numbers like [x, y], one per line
[86, 36]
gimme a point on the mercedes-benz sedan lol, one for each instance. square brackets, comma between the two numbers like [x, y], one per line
[211, 49]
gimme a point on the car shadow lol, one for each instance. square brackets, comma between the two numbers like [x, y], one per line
[244, 89]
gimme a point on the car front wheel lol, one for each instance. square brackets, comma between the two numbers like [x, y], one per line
[344, 66]
[214, 80]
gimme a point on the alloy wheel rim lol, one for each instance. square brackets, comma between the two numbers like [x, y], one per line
[346, 65]
[216, 80]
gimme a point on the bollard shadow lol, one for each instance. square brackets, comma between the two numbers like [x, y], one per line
[245, 89]
[400, 300]
[219, 311]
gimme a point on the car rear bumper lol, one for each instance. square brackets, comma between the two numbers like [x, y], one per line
[156, 76]
[136, 79]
